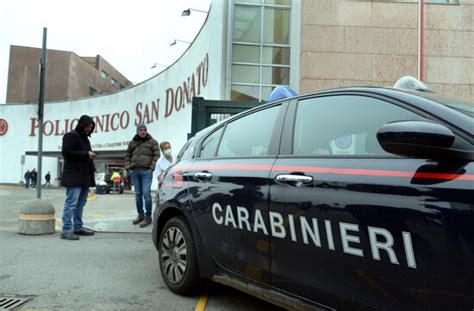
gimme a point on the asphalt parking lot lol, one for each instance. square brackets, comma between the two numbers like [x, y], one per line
[116, 269]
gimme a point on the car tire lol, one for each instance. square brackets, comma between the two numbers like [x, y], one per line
[178, 257]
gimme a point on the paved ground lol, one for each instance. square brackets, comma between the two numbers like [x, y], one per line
[103, 213]
[116, 269]
[117, 216]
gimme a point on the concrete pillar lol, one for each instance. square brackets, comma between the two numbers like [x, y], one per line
[37, 217]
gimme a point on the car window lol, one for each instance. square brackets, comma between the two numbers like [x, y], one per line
[209, 145]
[344, 125]
[249, 135]
[187, 151]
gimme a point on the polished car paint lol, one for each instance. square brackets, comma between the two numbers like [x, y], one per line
[362, 232]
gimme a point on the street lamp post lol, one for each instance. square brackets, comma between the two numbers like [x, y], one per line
[40, 114]
[37, 216]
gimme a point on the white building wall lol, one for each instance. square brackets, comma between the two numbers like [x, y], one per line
[199, 71]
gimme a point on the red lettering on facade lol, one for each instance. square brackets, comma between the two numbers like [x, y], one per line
[107, 122]
[34, 126]
[48, 128]
[146, 115]
[99, 124]
[198, 74]
[56, 128]
[67, 128]
[112, 123]
[169, 102]
[155, 108]
[124, 119]
[178, 98]
[138, 112]
[186, 91]
[3, 127]
[205, 72]
[193, 86]
[74, 124]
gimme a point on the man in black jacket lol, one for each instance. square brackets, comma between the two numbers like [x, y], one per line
[77, 177]
[142, 153]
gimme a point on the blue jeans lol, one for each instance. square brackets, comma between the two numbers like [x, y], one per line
[76, 198]
[142, 181]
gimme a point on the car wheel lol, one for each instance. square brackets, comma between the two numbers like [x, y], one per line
[177, 256]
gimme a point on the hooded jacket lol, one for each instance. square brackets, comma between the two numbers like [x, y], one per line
[142, 153]
[78, 169]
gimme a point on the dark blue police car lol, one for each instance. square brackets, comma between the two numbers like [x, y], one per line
[354, 198]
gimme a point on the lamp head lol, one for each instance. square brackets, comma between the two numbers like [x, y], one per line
[186, 12]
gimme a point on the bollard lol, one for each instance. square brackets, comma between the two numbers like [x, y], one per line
[37, 217]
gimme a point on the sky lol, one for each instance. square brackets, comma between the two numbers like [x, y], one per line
[131, 35]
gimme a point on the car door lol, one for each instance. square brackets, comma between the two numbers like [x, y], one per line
[362, 227]
[229, 188]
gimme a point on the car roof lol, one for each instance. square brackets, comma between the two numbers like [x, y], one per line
[417, 99]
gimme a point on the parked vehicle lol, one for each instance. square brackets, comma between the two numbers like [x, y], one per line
[104, 184]
[352, 198]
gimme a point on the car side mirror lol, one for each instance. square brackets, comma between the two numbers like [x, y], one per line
[417, 139]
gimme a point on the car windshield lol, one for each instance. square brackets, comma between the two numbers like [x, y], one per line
[463, 107]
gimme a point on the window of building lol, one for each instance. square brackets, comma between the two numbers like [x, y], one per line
[248, 1]
[245, 74]
[426, 1]
[276, 75]
[323, 125]
[92, 91]
[276, 26]
[247, 24]
[276, 55]
[277, 2]
[104, 75]
[260, 48]
[245, 92]
[113, 81]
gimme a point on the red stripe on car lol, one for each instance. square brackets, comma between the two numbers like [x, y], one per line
[327, 170]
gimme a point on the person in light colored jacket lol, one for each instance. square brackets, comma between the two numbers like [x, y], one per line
[165, 161]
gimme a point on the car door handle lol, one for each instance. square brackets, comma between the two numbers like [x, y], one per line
[203, 176]
[286, 178]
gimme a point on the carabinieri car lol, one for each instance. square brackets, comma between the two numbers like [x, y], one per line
[353, 198]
